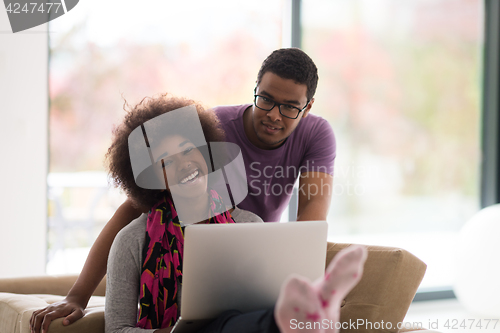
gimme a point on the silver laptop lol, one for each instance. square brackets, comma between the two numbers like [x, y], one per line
[242, 266]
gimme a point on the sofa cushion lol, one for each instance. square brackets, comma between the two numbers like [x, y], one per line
[16, 310]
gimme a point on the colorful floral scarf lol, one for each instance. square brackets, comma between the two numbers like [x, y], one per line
[161, 273]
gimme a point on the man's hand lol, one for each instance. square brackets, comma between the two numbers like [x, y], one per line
[41, 319]
[315, 195]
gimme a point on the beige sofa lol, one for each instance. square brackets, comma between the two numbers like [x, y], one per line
[390, 280]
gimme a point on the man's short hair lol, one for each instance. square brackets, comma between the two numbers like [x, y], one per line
[294, 64]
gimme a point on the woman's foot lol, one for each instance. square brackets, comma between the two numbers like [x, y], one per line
[298, 308]
[315, 308]
[342, 274]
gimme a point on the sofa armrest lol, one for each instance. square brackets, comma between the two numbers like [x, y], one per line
[53, 285]
[389, 283]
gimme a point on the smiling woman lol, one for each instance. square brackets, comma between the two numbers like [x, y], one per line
[180, 153]
[177, 156]
[184, 170]
[158, 158]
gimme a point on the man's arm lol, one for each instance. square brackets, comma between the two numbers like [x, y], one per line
[92, 273]
[315, 195]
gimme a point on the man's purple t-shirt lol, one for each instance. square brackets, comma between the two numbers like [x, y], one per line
[271, 174]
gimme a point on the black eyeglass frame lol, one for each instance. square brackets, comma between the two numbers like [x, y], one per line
[279, 106]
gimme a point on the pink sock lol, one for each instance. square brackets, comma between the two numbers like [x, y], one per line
[315, 308]
[341, 275]
[298, 308]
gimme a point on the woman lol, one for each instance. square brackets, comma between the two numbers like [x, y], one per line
[145, 262]
[162, 146]
[73, 306]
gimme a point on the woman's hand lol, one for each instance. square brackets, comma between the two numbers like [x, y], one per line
[41, 319]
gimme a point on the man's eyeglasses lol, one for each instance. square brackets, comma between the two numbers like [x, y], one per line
[286, 110]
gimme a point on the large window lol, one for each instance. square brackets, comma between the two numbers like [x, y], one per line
[399, 83]
[207, 51]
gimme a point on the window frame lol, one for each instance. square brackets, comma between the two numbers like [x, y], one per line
[490, 145]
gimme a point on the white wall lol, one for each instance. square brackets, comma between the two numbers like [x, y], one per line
[23, 149]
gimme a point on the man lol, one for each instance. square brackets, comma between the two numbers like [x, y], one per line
[279, 139]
